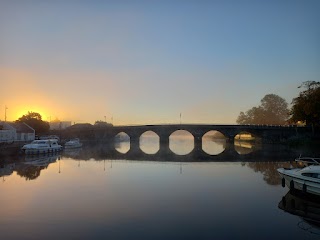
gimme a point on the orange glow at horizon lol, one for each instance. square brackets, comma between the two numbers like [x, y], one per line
[25, 112]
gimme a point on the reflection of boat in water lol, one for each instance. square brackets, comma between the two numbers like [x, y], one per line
[42, 147]
[43, 160]
[73, 143]
[306, 207]
[305, 179]
[71, 152]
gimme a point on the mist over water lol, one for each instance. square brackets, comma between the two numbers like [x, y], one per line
[82, 193]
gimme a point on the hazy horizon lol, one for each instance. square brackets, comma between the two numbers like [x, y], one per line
[147, 62]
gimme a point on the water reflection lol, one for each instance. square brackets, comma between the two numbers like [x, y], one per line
[213, 146]
[6, 170]
[28, 167]
[181, 142]
[40, 160]
[168, 200]
[31, 167]
[72, 153]
[269, 170]
[306, 207]
[244, 147]
[213, 143]
[122, 142]
[149, 142]
[122, 146]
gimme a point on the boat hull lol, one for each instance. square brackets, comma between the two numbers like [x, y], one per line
[42, 147]
[295, 182]
[73, 146]
[41, 151]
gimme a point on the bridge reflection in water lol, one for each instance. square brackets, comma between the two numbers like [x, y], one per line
[231, 152]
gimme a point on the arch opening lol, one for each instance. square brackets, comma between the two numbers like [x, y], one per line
[122, 142]
[149, 142]
[245, 142]
[213, 142]
[181, 142]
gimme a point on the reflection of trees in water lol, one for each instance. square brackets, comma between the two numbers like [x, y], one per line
[71, 152]
[29, 172]
[269, 170]
[33, 165]
[95, 150]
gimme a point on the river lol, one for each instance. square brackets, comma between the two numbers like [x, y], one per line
[81, 194]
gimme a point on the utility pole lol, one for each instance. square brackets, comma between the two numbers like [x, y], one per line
[5, 113]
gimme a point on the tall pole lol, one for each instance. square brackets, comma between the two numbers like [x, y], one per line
[5, 113]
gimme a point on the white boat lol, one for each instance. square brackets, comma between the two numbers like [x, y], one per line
[73, 143]
[305, 179]
[42, 146]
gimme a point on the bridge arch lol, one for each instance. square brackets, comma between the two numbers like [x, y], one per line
[122, 142]
[149, 142]
[213, 142]
[181, 142]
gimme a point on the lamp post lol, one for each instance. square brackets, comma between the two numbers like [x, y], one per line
[5, 113]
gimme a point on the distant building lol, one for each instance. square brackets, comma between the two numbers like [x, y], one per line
[16, 132]
[59, 125]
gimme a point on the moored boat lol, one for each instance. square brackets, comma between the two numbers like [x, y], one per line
[305, 179]
[73, 143]
[307, 161]
[42, 147]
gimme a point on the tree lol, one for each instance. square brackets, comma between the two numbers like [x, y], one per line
[273, 110]
[34, 120]
[306, 107]
[102, 124]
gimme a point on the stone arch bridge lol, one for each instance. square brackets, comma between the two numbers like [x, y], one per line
[267, 134]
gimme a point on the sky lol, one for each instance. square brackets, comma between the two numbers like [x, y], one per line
[147, 62]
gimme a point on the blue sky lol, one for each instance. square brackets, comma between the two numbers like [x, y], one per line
[142, 62]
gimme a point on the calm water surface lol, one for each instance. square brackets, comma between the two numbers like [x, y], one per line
[75, 197]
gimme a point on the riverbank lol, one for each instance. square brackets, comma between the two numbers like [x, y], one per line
[10, 149]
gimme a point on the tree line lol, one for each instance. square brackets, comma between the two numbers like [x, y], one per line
[274, 110]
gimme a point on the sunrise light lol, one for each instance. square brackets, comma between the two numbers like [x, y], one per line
[19, 113]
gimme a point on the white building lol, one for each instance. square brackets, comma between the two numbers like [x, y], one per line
[16, 132]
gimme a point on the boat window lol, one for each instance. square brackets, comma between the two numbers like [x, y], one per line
[313, 175]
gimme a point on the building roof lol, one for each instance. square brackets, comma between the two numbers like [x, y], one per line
[21, 127]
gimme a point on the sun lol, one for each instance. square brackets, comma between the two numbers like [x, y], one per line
[43, 114]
